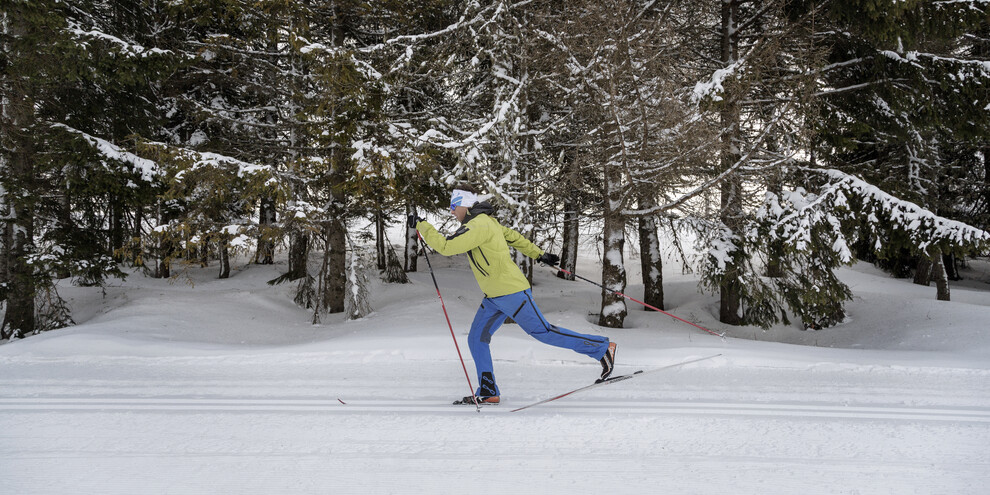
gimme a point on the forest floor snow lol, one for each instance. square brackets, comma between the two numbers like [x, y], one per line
[225, 386]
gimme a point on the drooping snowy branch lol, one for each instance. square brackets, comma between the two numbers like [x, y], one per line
[126, 48]
[795, 214]
[147, 168]
[923, 225]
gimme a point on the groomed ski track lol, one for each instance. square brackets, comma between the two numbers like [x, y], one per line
[277, 424]
[893, 412]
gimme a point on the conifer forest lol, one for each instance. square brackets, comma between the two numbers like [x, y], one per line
[770, 142]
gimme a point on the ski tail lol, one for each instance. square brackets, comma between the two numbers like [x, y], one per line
[616, 379]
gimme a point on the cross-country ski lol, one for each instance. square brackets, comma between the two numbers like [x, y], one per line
[615, 379]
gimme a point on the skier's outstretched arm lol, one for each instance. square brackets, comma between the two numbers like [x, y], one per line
[462, 241]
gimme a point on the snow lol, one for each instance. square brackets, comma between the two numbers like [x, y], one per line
[147, 168]
[223, 386]
[126, 48]
[713, 87]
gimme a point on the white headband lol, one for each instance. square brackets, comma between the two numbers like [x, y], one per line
[462, 198]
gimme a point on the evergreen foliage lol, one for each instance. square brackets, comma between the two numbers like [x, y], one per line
[788, 138]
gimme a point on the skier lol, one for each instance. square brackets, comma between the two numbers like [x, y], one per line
[507, 292]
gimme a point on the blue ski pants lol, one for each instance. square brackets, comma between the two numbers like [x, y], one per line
[520, 306]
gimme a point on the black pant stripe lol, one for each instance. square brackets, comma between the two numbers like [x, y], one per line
[552, 328]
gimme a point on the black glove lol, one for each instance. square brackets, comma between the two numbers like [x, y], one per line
[413, 220]
[549, 259]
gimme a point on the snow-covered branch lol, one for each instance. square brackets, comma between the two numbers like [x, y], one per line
[126, 48]
[924, 226]
[147, 168]
[795, 214]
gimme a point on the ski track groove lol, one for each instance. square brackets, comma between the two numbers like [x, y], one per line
[630, 407]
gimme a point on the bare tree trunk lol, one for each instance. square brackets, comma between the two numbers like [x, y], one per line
[380, 238]
[569, 251]
[572, 217]
[938, 273]
[334, 277]
[613, 312]
[650, 257]
[224, 257]
[411, 253]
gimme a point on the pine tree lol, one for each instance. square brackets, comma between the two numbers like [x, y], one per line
[908, 112]
[77, 78]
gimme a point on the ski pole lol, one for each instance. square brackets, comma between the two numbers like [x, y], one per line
[722, 335]
[444, 306]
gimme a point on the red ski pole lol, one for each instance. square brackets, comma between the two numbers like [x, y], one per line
[442, 305]
[640, 302]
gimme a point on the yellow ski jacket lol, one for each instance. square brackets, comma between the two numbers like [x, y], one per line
[487, 244]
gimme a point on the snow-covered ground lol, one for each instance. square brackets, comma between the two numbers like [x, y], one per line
[223, 386]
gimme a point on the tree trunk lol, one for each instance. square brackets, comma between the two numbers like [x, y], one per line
[65, 225]
[116, 237]
[6, 239]
[923, 275]
[164, 247]
[613, 311]
[202, 251]
[938, 272]
[775, 248]
[569, 251]
[381, 256]
[17, 192]
[334, 278]
[411, 253]
[266, 221]
[137, 247]
[650, 258]
[224, 257]
[986, 182]
[730, 292]
[298, 255]
[526, 266]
